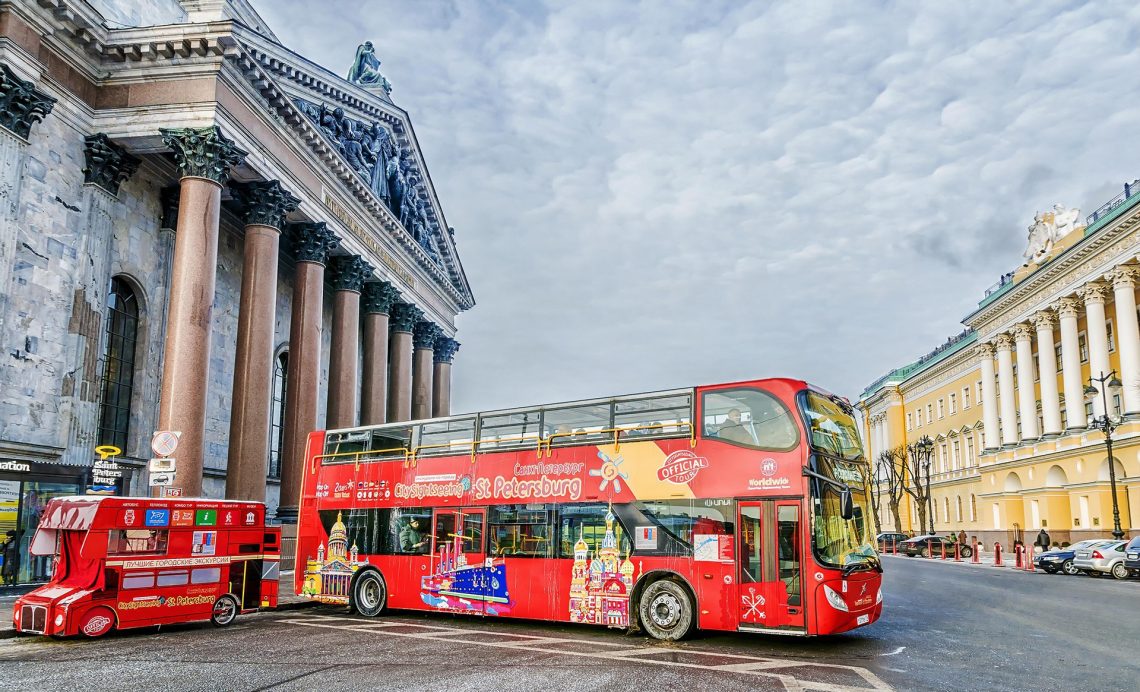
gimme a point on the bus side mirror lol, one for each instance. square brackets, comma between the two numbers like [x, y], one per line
[846, 505]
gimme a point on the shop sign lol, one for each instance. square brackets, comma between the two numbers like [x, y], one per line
[17, 466]
[105, 472]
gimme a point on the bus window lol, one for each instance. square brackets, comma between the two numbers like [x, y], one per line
[590, 523]
[446, 437]
[587, 421]
[520, 530]
[748, 417]
[444, 529]
[138, 580]
[390, 442]
[173, 577]
[133, 541]
[509, 430]
[206, 575]
[346, 444]
[654, 416]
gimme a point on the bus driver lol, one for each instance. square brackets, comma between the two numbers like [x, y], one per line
[733, 430]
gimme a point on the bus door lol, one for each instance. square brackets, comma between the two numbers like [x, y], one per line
[770, 561]
[459, 558]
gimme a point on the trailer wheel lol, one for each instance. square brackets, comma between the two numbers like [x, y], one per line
[666, 611]
[370, 594]
[225, 611]
[97, 622]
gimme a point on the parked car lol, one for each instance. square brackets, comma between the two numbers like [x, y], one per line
[1132, 556]
[1107, 558]
[890, 538]
[931, 545]
[1060, 560]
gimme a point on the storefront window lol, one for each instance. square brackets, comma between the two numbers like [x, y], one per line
[22, 504]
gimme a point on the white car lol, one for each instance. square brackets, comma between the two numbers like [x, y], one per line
[1108, 557]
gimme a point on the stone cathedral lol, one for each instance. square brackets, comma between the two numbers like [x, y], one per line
[202, 231]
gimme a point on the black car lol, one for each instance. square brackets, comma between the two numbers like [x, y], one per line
[889, 539]
[1132, 556]
[931, 546]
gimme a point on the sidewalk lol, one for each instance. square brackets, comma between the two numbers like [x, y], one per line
[286, 600]
[984, 559]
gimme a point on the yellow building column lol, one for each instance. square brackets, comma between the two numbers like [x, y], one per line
[989, 398]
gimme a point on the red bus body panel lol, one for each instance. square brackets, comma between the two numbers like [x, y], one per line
[92, 590]
[540, 588]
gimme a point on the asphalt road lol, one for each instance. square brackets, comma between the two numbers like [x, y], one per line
[945, 627]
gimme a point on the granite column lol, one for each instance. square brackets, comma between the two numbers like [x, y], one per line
[348, 275]
[376, 302]
[423, 338]
[444, 353]
[403, 321]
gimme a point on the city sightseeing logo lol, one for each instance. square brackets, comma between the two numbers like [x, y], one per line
[681, 466]
[768, 467]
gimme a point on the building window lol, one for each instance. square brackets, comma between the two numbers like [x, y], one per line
[953, 403]
[1088, 410]
[277, 425]
[930, 412]
[909, 421]
[973, 508]
[918, 415]
[978, 391]
[942, 458]
[970, 451]
[1115, 404]
[941, 410]
[1111, 336]
[965, 398]
[118, 364]
[1036, 371]
[956, 457]
[946, 509]
[1060, 360]
[1083, 346]
[958, 509]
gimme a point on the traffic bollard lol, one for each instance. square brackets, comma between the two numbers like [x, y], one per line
[929, 549]
[1029, 560]
[894, 547]
[943, 549]
[997, 554]
[957, 552]
[1017, 556]
[977, 559]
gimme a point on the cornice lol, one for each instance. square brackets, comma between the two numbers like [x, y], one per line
[1061, 277]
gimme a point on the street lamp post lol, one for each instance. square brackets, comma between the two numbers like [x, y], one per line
[1106, 424]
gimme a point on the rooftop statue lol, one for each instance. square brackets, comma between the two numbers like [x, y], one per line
[1049, 227]
[365, 69]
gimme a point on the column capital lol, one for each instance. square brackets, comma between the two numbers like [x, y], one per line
[108, 164]
[445, 349]
[264, 203]
[378, 297]
[424, 334]
[1044, 321]
[312, 241]
[1093, 292]
[203, 152]
[404, 317]
[1022, 332]
[349, 273]
[1004, 342]
[984, 350]
[1068, 307]
[21, 104]
[1123, 276]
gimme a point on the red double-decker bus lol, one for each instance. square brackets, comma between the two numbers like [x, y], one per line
[729, 507]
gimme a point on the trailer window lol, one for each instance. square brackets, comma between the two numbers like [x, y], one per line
[206, 575]
[135, 541]
[138, 580]
[177, 577]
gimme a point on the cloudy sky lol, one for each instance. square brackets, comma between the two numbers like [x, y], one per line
[649, 195]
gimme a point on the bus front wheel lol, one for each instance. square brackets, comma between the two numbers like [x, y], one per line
[225, 611]
[666, 611]
[370, 595]
[97, 622]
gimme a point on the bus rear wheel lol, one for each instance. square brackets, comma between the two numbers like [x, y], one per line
[370, 595]
[225, 611]
[666, 611]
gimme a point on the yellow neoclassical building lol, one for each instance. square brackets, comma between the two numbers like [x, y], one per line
[1015, 446]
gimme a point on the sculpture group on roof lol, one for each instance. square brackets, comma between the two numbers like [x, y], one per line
[386, 167]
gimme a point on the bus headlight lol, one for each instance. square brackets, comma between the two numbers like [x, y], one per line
[59, 620]
[834, 599]
[879, 597]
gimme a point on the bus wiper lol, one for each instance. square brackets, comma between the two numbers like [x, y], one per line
[871, 563]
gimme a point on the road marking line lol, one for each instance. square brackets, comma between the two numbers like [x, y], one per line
[789, 681]
[896, 651]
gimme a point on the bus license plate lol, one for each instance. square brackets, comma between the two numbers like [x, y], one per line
[862, 620]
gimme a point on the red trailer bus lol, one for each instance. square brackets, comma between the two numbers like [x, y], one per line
[729, 507]
[123, 562]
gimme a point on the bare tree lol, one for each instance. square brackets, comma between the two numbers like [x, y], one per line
[917, 458]
[892, 471]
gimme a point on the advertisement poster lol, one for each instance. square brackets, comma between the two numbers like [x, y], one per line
[205, 542]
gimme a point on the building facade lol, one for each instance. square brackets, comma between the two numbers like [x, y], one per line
[1015, 443]
[202, 231]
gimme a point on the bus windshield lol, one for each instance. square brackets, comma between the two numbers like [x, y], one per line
[841, 542]
[830, 426]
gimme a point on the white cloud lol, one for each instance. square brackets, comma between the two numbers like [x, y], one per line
[649, 195]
